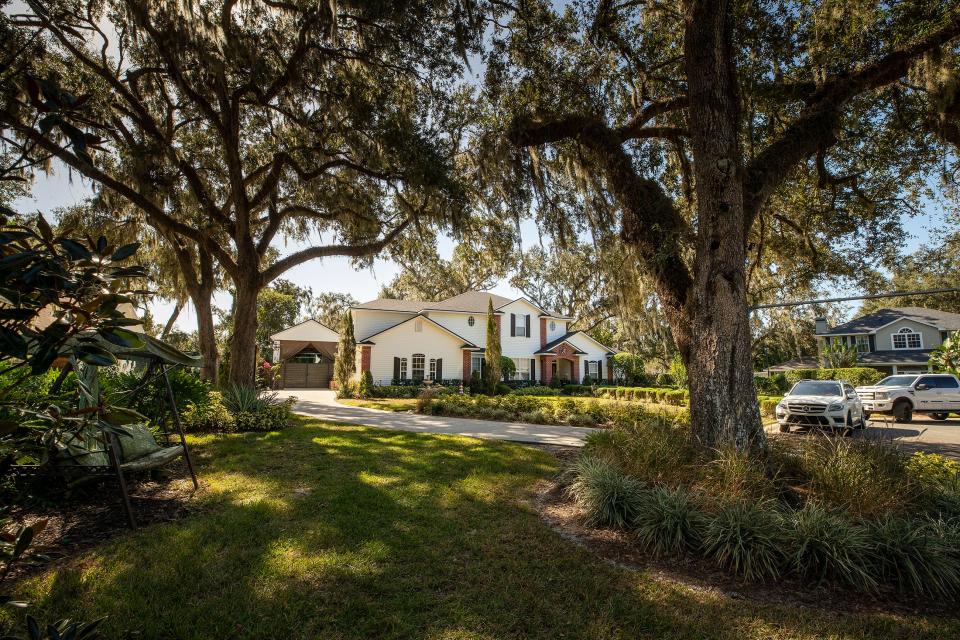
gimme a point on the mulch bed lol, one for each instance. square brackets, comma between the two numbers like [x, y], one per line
[618, 548]
[94, 513]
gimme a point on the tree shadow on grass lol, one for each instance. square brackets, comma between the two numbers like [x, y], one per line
[346, 532]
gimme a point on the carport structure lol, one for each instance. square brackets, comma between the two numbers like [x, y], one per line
[307, 352]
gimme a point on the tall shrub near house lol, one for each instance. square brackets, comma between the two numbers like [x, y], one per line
[346, 362]
[493, 352]
[837, 355]
[946, 357]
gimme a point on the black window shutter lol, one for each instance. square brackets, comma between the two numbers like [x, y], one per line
[513, 325]
[439, 369]
[599, 369]
[533, 369]
[396, 368]
[528, 325]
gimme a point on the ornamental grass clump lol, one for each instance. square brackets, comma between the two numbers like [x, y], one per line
[916, 557]
[747, 538]
[669, 522]
[827, 545]
[863, 477]
[607, 496]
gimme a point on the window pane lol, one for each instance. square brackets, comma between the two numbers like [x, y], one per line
[403, 368]
[433, 368]
[418, 362]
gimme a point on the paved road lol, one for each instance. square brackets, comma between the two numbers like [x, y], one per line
[321, 403]
[921, 434]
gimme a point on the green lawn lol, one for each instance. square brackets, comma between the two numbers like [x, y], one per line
[327, 531]
[384, 404]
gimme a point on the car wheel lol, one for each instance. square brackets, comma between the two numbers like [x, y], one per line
[939, 416]
[784, 428]
[866, 416]
[863, 420]
[903, 412]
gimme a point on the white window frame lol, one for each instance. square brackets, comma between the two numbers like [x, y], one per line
[413, 366]
[862, 341]
[906, 333]
[522, 368]
[433, 369]
[403, 368]
[593, 369]
[476, 362]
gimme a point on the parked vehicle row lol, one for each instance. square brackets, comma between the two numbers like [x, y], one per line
[836, 405]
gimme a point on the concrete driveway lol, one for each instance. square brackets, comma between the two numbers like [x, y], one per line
[922, 434]
[322, 404]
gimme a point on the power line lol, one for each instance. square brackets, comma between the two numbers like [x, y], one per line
[873, 296]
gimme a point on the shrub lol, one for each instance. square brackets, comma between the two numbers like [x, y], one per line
[857, 376]
[150, 399]
[535, 391]
[939, 479]
[736, 476]
[747, 538]
[607, 496]
[664, 380]
[669, 522]
[365, 385]
[424, 400]
[395, 391]
[581, 420]
[243, 399]
[775, 385]
[828, 545]
[580, 390]
[211, 416]
[272, 417]
[502, 389]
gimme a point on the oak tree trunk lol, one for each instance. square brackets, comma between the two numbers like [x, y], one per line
[717, 342]
[207, 338]
[243, 342]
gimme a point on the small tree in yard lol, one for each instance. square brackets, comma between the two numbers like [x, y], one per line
[508, 368]
[346, 362]
[493, 353]
[836, 355]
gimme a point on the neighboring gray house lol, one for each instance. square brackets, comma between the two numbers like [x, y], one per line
[896, 340]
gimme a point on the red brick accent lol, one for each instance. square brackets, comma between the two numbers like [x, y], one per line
[543, 332]
[364, 358]
[546, 368]
[563, 351]
[466, 365]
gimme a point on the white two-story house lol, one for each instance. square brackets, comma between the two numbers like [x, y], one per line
[407, 340]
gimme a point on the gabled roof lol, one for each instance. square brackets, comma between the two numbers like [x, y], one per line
[466, 302]
[566, 338]
[882, 317]
[280, 334]
[466, 343]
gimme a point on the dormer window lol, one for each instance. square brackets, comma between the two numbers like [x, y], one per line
[907, 338]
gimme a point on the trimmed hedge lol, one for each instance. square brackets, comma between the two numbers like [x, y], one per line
[540, 410]
[675, 397]
[857, 376]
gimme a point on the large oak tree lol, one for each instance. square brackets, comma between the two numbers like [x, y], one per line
[335, 124]
[687, 121]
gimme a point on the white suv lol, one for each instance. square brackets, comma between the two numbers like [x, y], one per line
[901, 395]
[822, 404]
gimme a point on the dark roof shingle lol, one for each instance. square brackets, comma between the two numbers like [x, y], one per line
[883, 317]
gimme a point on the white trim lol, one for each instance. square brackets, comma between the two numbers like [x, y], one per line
[278, 335]
[593, 340]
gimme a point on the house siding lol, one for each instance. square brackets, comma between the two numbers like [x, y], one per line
[560, 328]
[519, 346]
[931, 335]
[367, 322]
[404, 341]
[593, 352]
[460, 325]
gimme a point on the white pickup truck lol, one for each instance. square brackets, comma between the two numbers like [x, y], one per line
[901, 395]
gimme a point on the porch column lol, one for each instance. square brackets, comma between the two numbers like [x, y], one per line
[467, 355]
[546, 369]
